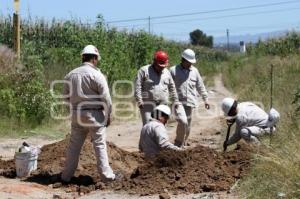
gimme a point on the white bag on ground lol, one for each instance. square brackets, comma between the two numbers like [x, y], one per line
[26, 160]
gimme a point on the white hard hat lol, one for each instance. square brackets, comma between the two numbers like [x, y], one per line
[90, 49]
[227, 104]
[189, 55]
[163, 108]
[274, 117]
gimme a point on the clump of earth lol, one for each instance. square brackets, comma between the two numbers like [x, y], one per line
[194, 170]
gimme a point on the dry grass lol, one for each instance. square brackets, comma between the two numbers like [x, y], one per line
[276, 173]
[8, 62]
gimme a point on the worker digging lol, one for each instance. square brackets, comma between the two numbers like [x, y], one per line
[154, 135]
[252, 122]
[160, 163]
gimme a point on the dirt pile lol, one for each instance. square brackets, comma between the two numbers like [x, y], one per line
[7, 168]
[200, 169]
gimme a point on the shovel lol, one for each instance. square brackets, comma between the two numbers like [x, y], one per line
[227, 137]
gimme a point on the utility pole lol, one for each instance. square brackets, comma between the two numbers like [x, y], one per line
[16, 29]
[227, 33]
[149, 24]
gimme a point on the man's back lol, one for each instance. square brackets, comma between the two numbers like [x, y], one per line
[154, 138]
[87, 87]
[149, 139]
[250, 114]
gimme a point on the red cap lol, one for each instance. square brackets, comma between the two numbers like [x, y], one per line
[161, 58]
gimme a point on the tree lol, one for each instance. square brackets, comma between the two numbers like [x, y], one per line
[197, 37]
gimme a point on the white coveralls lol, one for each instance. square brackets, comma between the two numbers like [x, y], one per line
[189, 85]
[152, 89]
[251, 122]
[88, 95]
[154, 138]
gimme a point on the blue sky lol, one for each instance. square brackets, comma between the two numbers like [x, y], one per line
[239, 21]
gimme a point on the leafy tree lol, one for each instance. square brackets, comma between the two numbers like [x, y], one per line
[198, 37]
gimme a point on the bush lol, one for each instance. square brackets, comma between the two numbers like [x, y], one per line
[23, 95]
[51, 49]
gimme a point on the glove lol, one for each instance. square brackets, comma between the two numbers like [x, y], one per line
[141, 106]
[207, 106]
[108, 121]
[230, 122]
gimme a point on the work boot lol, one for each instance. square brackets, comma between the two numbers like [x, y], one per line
[118, 176]
[178, 143]
[186, 145]
[57, 178]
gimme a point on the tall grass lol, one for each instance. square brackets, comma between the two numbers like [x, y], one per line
[282, 46]
[277, 169]
[50, 49]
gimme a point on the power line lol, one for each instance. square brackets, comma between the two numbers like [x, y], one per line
[207, 12]
[215, 17]
[224, 16]
[278, 26]
[222, 31]
[261, 27]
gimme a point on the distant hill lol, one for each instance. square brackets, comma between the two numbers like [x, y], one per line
[248, 37]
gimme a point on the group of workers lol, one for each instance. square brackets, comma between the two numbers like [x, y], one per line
[86, 90]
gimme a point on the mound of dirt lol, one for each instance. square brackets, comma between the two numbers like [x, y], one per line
[7, 168]
[199, 169]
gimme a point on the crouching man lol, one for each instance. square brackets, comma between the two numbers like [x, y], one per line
[251, 121]
[154, 137]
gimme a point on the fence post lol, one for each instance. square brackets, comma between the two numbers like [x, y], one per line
[16, 30]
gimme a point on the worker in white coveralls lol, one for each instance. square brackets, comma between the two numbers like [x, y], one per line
[251, 121]
[154, 137]
[189, 85]
[154, 85]
[88, 94]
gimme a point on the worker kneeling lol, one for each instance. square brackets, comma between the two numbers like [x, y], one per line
[251, 121]
[154, 137]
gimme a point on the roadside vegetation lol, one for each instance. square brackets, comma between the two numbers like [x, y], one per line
[50, 49]
[276, 172]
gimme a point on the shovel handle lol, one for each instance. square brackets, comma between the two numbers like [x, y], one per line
[227, 137]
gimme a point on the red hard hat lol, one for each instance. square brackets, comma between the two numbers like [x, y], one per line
[161, 58]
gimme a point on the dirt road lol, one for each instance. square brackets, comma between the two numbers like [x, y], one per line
[206, 124]
[206, 131]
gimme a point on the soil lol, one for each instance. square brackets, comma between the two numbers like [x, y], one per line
[199, 169]
[203, 167]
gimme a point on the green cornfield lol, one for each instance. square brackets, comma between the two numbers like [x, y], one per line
[50, 49]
